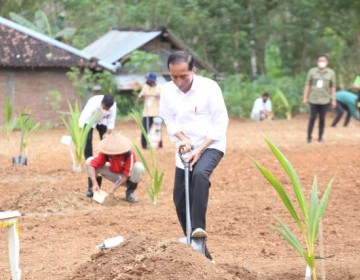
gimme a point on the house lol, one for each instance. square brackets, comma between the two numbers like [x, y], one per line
[117, 44]
[33, 65]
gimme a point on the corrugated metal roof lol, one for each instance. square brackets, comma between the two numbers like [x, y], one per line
[115, 44]
[23, 47]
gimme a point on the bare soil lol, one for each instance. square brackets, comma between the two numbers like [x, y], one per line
[60, 227]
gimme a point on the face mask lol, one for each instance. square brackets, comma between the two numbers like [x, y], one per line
[322, 64]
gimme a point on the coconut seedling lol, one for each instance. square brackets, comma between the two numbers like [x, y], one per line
[156, 176]
[78, 134]
[29, 127]
[311, 213]
[10, 121]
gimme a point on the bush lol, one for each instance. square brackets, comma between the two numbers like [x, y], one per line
[240, 94]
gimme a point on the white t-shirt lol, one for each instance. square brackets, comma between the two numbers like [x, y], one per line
[200, 113]
[93, 105]
[259, 106]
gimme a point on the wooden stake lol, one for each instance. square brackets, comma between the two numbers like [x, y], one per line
[322, 255]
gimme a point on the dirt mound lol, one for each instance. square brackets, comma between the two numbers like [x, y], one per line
[140, 257]
[47, 200]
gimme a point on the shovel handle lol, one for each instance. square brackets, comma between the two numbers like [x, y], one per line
[180, 151]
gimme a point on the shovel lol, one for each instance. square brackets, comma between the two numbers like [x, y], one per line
[20, 159]
[198, 244]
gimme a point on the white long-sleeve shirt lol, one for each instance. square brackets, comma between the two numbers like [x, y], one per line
[93, 105]
[200, 113]
[259, 106]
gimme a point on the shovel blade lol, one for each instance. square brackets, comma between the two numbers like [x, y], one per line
[19, 160]
[198, 244]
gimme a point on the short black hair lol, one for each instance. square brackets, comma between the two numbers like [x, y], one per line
[108, 100]
[266, 94]
[181, 56]
[323, 55]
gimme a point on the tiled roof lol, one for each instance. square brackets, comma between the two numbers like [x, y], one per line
[23, 47]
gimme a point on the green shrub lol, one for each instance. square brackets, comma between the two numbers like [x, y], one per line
[240, 94]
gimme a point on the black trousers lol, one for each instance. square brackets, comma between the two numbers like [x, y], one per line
[198, 189]
[340, 109]
[88, 152]
[315, 110]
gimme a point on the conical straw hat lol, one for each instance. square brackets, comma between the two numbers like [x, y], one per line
[115, 144]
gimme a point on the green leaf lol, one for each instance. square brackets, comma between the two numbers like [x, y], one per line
[143, 160]
[290, 171]
[156, 180]
[313, 222]
[78, 134]
[287, 234]
[281, 192]
[321, 210]
[22, 21]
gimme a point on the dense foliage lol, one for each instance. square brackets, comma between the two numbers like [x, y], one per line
[263, 38]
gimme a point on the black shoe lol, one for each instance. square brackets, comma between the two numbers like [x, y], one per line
[130, 197]
[321, 140]
[129, 194]
[89, 193]
[308, 140]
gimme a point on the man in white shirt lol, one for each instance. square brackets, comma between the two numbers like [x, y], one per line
[196, 118]
[262, 109]
[105, 107]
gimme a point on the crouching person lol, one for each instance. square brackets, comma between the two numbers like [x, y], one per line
[116, 162]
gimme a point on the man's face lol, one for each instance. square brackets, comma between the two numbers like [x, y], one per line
[104, 107]
[322, 62]
[181, 75]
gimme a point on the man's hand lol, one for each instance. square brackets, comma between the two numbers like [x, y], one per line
[195, 156]
[333, 103]
[111, 192]
[95, 187]
[184, 146]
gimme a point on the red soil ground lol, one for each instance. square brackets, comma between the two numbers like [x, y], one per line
[60, 228]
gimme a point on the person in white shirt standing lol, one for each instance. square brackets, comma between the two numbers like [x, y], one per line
[105, 107]
[262, 108]
[196, 118]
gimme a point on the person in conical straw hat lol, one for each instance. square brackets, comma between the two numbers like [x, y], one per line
[116, 161]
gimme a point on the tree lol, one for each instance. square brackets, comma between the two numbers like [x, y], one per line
[42, 24]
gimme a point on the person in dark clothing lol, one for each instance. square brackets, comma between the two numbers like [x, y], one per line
[346, 101]
[319, 92]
